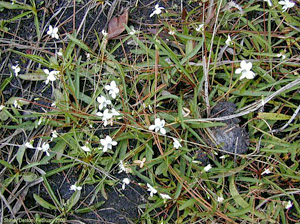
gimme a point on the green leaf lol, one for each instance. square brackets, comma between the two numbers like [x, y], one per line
[188, 203]
[33, 76]
[273, 116]
[43, 203]
[29, 176]
[20, 154]
[235, 194]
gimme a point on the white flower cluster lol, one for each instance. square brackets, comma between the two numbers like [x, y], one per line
[108, 114]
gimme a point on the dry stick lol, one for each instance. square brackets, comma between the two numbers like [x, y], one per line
[254, 107]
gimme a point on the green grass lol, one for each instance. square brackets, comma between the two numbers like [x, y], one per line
[178, 78]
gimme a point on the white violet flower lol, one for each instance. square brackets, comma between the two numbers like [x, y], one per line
[140, 162]
[29, 144]
[107, 143]
[132, 32]
[104, 33]
[269, 2]
[207, 168]
[245, 69]
[165, 196]
[125, 181]
[228, 41]
[53, 32]
[16, 69]
[123, 168]
[1, 107]
[107, 115]
[157, 11]
[17, 104]
[200, 28]
[75, 188]
[287, 204]
[286, 4]
[51, 75]
[171, 32]
[85, 148]
[158, 126]
[266, 171]
[103, 102]
[151, 189]
[54, 134]
[176, 143]
[60, 52]
[283, 56]
[45, 147]
[113, 89]
[220, 199]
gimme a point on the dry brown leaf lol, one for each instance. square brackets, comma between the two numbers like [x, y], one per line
[116, 25]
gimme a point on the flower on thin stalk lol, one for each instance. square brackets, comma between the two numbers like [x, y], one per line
[54, 134]
[207, 168]
[29, 144]
[200, 28]
[85, 148]
[53, 32]
[123, 167]
[245, 69]
[220, 199]
[157, 10]
[287, 204]
[107, 143]
[266, 171]
[132, 32]
[140, 162]
[176, 143]
[51, 75]
[165, 196]
[286, 4]
[2, 107]
[17, 104]
[283, 56]
[158, 126]
[104, 33]
[16, 69]
[228, 41]
[74, 187]
[125, 182]
[151, 189]
[113, 89]
[103, 102]
[45, 147]
[107, 115]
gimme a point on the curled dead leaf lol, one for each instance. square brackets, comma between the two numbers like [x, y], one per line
[116, 25]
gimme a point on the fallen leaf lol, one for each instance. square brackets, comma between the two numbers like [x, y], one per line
[116, 25]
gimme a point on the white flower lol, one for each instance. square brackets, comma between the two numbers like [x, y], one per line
[104, 33]
[200, 28]
[1, 107]
[228, 41]
[29, 144]
[223, 157]
[132, 32]
[287, 204]
[157, 10]
[171, 32]
[140, 162]
[220, 199]
[151, 189]
[123, 168]
[107, 143]
[51, 75]
[45, 147]
[103, 102]
[113, 89]
[269, 2]
[85, 148]
[53, 32]
[245, 69]
[165, 196]
[286, 4]
[266, 171]
[54, 134]
[60, 52]
[283, 56]
[125, 181]
[107, 115]
[16, 69]
[75, 188]
[17, 104]
[158, 126]
[207, 168]
[176, 143]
